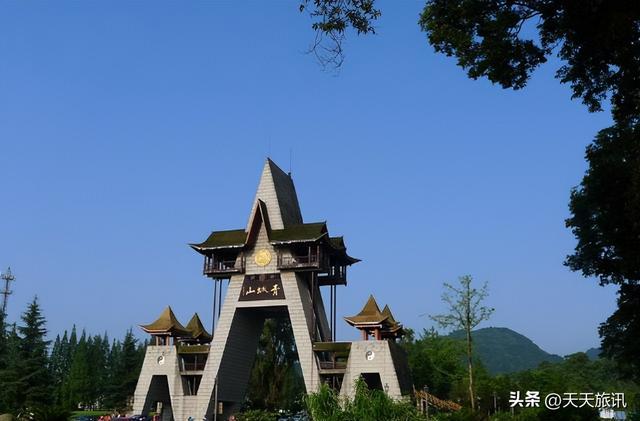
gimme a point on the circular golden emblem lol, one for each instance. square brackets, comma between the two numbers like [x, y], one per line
[263, 257]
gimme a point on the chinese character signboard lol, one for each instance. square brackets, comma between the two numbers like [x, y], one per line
[262, 287]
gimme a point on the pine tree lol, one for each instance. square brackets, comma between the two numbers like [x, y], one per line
[78, 381]
[274, 382]
[111, 383]
[3, 347]
[55, 367]
[10, 382]
[97, 351]
[129, 368]
[33, 367]
[3, 340]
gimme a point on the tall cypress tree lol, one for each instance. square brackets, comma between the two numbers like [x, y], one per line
[98, 353]
[10, 381]
[126, 362]
[55, 368]
[3, 346]
[112, 380]
[78, 381]
[33, 365]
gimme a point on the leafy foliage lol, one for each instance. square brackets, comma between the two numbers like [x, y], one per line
[606, 209]
[506, 41]
[605, 219]
[32, 366]
[76, 373]
[465, 312]
[366, 405]
[256, 415]
[435, 361]
[331, 19]
[276, 381]
[621, 331]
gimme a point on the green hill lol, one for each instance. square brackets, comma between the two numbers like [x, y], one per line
[502, 350]
[593, 353]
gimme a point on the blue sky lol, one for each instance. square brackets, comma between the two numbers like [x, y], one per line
[129, 129]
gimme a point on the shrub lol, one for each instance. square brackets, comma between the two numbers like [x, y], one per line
[366, 405]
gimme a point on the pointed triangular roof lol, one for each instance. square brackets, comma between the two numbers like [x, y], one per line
[167, 323]
[197, 329]
[277, 191]
[394, 327]
[259, 217]
[369, 315]
[386, 311]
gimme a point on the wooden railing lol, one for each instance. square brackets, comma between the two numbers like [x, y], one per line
[213, 266]
[333, 365]
[314, 260]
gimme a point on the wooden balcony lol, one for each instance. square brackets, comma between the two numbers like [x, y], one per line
[193, 349]
[215, 268]
[310, 261]
[190, 362]
[332, 357]
[333, 365]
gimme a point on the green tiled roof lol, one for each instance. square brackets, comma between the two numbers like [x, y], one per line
[293, 233]
[197, 329]
[337, 243]
[370, 314]
[167, 323]
[221, 239]
[299, 232]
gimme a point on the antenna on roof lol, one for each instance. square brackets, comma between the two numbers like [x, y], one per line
[290, 154]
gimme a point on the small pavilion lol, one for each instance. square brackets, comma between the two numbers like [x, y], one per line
[373, 322]
[166, 329]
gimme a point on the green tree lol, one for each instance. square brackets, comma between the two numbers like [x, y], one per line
[505, 41]
[435, 361]
[3, 351]
[10, 382]
[98, 351]
[275, 381]
[621, 331]
[78, 382]
[55, 367]
[331, 20]
[465, 312]
[598, 44]
[366, 405]
[605, 212]
[124, 364]
[33, 367]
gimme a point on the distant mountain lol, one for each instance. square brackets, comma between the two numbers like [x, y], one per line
[502, 350]
[593, 353]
